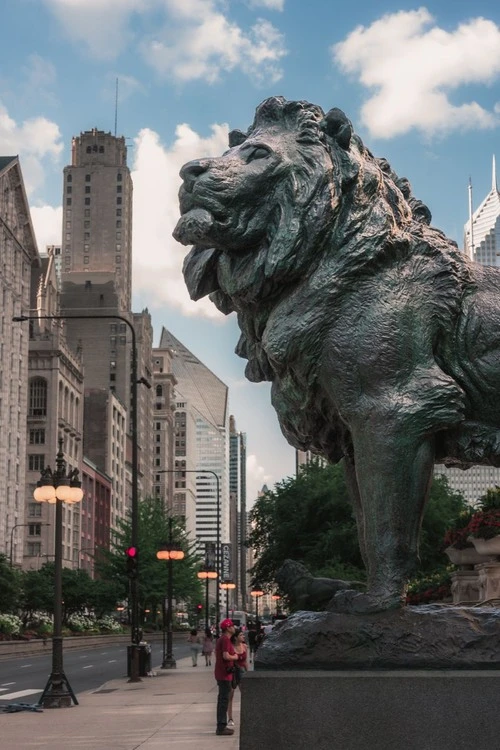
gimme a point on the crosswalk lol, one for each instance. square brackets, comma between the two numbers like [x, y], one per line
[6, 696]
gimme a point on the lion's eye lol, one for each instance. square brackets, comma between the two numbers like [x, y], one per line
[257, 152]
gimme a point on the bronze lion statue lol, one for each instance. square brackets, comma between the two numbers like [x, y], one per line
[381, 339]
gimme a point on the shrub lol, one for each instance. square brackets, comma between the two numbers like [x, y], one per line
[10, 624]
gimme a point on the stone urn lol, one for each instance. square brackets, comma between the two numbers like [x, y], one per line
[468, 556]
[487, 546]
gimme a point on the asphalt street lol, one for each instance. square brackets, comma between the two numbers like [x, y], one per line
[23, 679]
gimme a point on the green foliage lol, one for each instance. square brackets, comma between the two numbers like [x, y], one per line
[153, 530]
[309, 518]
[10, 583]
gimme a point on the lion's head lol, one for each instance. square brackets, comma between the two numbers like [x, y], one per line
[268, 208]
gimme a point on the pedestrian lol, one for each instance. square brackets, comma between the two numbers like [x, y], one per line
[196, 642]
[208, 647]
[225, 659]
[252, 634]
[241, 666]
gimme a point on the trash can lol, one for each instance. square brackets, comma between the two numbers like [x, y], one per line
[144, 650]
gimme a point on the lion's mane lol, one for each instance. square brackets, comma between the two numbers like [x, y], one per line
[340, 214]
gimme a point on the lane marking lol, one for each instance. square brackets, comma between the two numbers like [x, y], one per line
[23, 666]
[89, 666]
[20, 694]
[6, 684]
[111, 661]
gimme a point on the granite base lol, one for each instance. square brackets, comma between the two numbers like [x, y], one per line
[371, 710]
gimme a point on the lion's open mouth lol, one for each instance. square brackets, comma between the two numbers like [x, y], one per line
[193, 227]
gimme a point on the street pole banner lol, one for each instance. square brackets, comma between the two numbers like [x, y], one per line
[210, 554]
[226, 562]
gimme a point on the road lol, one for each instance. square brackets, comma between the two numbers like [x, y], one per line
[23, 679]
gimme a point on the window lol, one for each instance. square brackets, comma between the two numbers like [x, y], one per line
[159, 390]
[69, 189]
[118, 225]
[101, 149]
[89, 150]
[38, 398]
[37, 437]
[35, 529]
[118, 258]
[118, 235]
[118, 188]
[36, 462]
[118, 201]
[68, 201]
[86, 212]
[87, 178]
[35, 510]
[86, 260]
[34, 548]
[87, 201]
[86, 235]
[119, 177]
[86, 224]
[69, 178]
[87, 188]
[118, 212]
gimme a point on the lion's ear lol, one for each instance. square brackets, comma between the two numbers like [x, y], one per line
[338, 126]
[236, 138]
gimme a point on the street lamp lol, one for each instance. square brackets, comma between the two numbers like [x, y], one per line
[227, 586]
[16, 526]
[169, 551]
[276, 598]
[200, 472]
[58, 487]
[257, 593]
[134, 514]
[206, 573]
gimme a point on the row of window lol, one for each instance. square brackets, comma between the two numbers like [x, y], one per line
[88, 177]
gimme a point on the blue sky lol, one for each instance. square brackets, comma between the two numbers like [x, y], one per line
[419, 82]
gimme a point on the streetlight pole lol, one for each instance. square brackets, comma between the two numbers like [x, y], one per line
[169, 552]
[16, 526]
[205, 573]
[58, 487]
[227, 586]
[257, 593]
[134, 589]
[200, 472]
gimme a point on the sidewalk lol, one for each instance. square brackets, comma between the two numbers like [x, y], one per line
[174, 710]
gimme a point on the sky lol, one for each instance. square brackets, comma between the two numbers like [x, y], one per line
[419, 82]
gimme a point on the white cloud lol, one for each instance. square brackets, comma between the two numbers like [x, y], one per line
[34, 140]
[268, 4]
[158, 258]
[204, 44]
[47, 223]
[192, 39]
[256, 478]
[412, 65]
[103, 25]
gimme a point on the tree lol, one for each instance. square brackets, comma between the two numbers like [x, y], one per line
[153, 530]
[9, 586]
[309, 518]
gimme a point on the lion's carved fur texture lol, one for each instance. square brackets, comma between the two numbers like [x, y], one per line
[380, 338]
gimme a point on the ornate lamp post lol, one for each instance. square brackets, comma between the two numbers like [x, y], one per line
[169, 551]
[227, 586]
[256, 593]
[205, 574]
[58, 487]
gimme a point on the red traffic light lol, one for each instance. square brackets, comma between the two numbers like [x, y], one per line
[131, 551]
[199, 607]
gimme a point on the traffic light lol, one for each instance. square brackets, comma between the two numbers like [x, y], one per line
[132, 561]
[199, 607]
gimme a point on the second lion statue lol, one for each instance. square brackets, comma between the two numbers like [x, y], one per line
[381, 339]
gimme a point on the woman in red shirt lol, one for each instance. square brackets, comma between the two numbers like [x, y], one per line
[240, 646]
[225, 658]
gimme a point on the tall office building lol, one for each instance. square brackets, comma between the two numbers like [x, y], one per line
[238, 493]
[19, 261]
[96, 279]
[482, 230]
[482, 245]
[97, 210]
[201, 404]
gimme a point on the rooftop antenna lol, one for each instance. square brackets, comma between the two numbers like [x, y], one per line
[471, 231]
[116, 105]
[494, 175]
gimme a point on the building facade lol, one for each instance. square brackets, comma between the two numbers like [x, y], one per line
[19, 263]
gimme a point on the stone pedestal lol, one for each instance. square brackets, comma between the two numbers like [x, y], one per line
[375, 710]
[465, 586]
[489, 581]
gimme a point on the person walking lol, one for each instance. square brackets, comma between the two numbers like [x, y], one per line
[208, 647]
[225, 659]
[252, 635]
[195, 640]
[241, 666]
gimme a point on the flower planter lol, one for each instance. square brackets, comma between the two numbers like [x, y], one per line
[487, 546]
[467, 556]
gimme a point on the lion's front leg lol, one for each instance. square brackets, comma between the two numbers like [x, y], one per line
[394, 469]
